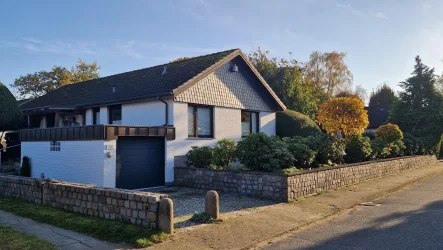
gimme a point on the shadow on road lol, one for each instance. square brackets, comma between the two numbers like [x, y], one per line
[419, 229]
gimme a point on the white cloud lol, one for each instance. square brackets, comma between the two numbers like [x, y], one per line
[361, 13]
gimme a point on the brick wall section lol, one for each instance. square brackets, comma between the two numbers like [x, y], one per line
[139, 208]
[288, 187]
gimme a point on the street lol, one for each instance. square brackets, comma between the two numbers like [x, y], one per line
[409, 219]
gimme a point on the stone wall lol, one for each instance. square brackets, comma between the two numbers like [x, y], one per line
[281, 187]
[139, 208]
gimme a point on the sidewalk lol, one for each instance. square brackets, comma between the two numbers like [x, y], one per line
[269, 222]
[61, 238]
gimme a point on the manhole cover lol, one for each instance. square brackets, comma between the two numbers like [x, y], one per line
[369, 204]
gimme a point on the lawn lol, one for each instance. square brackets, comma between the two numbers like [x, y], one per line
[108, 230]
[11, 239]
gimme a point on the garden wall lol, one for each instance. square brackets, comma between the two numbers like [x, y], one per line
[282, 187]
[139, 208]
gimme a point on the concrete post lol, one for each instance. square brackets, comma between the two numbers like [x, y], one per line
[166, 216]
[212, 206]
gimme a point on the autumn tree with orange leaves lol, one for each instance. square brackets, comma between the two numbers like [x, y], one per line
[343, 115]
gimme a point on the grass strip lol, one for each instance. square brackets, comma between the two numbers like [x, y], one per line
[108, 230]
[11, 239]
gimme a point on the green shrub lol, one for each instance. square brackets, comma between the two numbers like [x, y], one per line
[303, 155]
[389, 133]
[25, 170]
[199, 157]
[330, 149]
[379, 149]
[411, 143]
[358, 148]
[397, 149]
[260, 152]
[223, 153]
[290, 123]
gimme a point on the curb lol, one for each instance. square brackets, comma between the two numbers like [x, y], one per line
[338, 211]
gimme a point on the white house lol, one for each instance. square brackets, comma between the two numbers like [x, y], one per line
[124, 130]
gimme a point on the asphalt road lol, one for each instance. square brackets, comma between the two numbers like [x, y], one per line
[409, 219]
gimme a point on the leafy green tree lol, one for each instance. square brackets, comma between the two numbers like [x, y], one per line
[287, 79]
[10, 113]
[42, 82]
[419, 110]
[382, 96]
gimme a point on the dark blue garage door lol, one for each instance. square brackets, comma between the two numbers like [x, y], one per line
[140, 162]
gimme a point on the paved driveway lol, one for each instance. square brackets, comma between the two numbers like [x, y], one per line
[188, 201]
[410, 219]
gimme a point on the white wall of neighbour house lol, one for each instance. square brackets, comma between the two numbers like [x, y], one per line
[77, 161]
[88, 116]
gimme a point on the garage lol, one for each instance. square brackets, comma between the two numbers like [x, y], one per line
[140, 162]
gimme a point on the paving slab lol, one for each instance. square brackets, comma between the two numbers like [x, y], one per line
[61, 238]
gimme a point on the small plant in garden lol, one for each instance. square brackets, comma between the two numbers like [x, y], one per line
[223, 153]
[199, 157]
[199, 217]
[380, 150]
[25, 170]
[261, 152]
[330, 149]
[154, 239]
[397, 149]
[389, 133]
[358, 148]
[303, 155]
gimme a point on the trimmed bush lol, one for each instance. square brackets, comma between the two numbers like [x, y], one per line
[330, 149]
[389, 133]
[303, 155]
[411, 143]
[199, 157]
[10, 113]
[397, 149]
[261, 152]
[290, 123]
[358, 148]
[25, 170]
[223, 153]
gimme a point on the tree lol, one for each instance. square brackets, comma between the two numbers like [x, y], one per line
[42, 82]
[182, 58]
[359, 92]
[382, 96]
[287, 79]
[328, 72]
[343, 115]
[10, 114]
[389, 133]
[419, 109]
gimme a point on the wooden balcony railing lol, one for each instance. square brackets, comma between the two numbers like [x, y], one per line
[95, 132]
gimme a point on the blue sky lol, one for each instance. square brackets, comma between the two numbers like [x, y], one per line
[380, 37]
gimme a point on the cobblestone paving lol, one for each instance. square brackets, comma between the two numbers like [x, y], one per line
[188, 201]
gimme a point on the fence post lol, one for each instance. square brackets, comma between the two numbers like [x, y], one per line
[212, 204]
[166, 216]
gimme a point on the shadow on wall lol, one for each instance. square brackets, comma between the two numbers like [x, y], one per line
[420, 229]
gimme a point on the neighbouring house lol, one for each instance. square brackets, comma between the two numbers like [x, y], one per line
[377, 115]
[124, 130]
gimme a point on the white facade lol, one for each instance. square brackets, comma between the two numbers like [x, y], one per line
[77, 161]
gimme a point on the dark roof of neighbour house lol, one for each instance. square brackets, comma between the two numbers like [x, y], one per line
[138, 85]
[378, 116]
[23, 101]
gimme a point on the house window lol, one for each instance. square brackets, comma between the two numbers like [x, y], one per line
[54, 146]
[95, 116]
[115, 114]
[200, 121]
[249, 123]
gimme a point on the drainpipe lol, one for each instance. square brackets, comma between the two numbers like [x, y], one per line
[166, 111]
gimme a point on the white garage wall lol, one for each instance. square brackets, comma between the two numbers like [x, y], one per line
[267, 123]
[77, 161]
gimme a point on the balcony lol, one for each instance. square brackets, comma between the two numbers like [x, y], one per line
[94, 132]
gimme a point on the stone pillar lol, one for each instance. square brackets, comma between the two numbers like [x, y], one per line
[212, 204]
[166, 216]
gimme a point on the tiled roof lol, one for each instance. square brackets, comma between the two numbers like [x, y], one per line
[134, 85]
